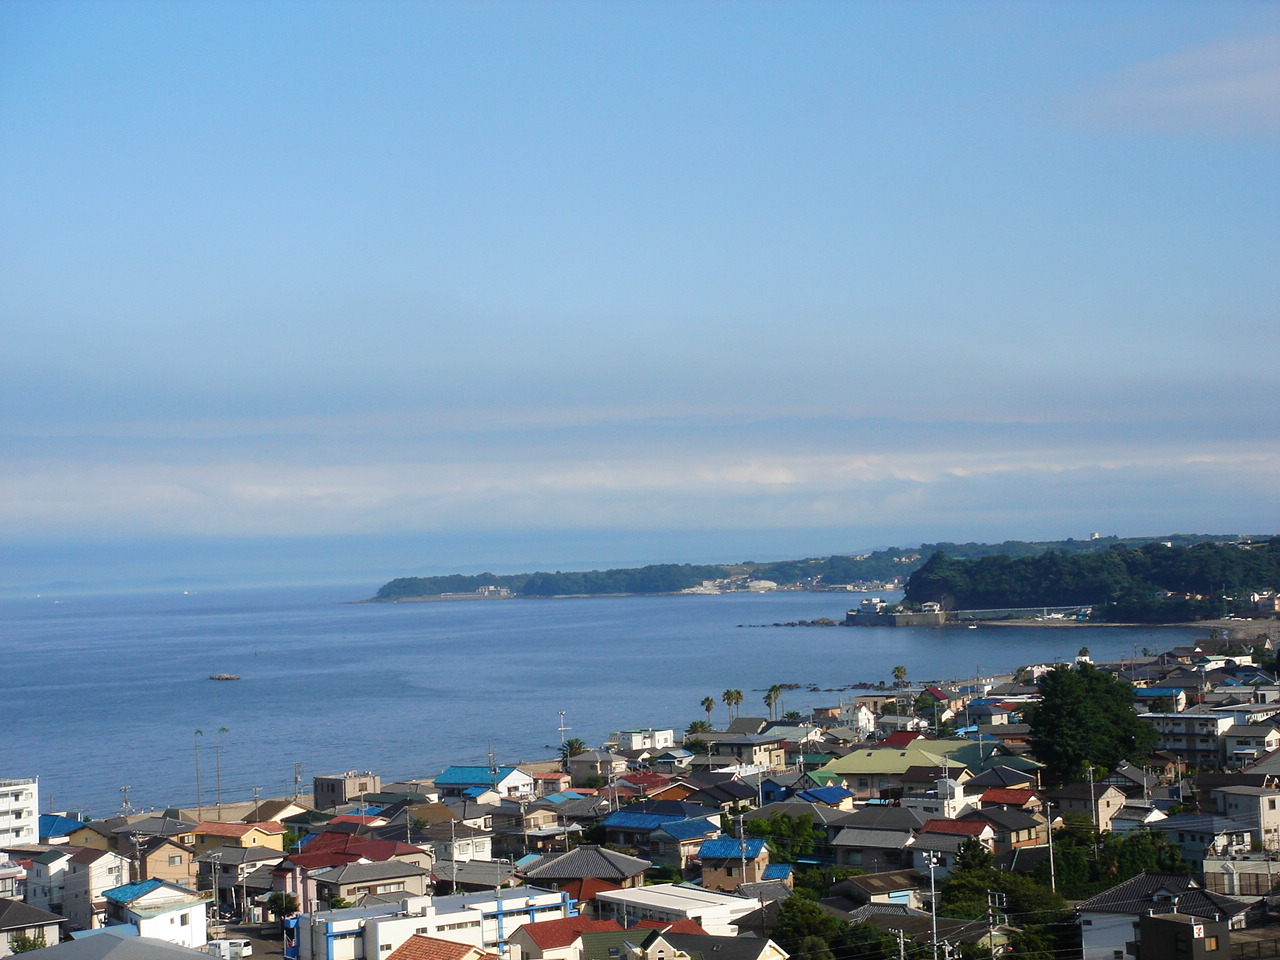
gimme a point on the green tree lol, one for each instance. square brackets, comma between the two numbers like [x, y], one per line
[972, 855]
[792, 716]
[281, 905]
[1085, 717]
[25, 943]
[708, 704]
[732, 698]
[771, 698]
[339, 903]
[899, 676]
[699, 726]
[571, 748]
[788, 838]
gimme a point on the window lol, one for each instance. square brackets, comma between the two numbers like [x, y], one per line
[176, 860]
[1211, 943]
[186, 920]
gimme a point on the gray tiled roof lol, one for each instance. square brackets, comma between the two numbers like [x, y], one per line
[359, 872]
[1162, 893]
[587, 860]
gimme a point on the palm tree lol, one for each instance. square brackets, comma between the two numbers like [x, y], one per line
[571, 748]
[900, 676]
[708, 704]
[699, 726]
[771, 699]
[732, 698]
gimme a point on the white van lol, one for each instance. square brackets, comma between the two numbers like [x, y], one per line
[229, 949]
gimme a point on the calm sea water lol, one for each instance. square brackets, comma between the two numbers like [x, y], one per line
[102, 692]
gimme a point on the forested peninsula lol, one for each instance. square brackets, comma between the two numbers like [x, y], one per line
[1155, 582]
[946, 566]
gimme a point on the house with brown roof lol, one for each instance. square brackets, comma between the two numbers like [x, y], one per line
[212, 834]
[421, 947]
[554, 939]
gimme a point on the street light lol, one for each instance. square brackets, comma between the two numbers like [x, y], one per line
[933, 902]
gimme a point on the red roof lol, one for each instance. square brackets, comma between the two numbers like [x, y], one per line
[587, 888]
[970, 828]
[1007, 796]
[550, 934]
[901, 738]
[675, 926]
[936, 693]
[352, 818]
[382, 849]
[419, 947]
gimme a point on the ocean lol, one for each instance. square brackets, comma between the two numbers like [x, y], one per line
[105, 692]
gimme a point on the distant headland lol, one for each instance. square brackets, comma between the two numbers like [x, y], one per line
[1161, 579]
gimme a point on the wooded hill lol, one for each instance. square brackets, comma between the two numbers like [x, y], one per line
[1126, 582]
[878, 566]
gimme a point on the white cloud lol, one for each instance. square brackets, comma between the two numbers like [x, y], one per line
[1230, 86]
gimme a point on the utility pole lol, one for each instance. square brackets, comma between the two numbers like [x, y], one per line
[217, 767]
[562, 728]
[125, 809]
[995, 916]
[199, 806]
[1053, 873]
[902, 944]
[933, 903]
[742, 849]
[297, 779]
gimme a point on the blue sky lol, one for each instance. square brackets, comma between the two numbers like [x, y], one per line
[306, 290]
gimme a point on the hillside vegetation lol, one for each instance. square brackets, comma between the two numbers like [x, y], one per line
[879, 566]
[1150, 582]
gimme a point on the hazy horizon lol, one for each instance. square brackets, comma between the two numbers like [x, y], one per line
[301, 291]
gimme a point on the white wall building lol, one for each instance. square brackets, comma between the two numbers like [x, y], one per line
[163, 910]
[713, 911]
[19, 811]
[479, 919]
[649, 739]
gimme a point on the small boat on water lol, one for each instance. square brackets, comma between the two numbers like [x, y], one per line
[223, 676]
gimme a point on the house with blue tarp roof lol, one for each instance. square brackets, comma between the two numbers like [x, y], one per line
[54, 825]
[728, 862]
[510, 783]
[829, 796]
[160, 909]
[676, 843]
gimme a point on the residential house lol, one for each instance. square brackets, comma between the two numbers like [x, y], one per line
[509, 783]
[223, 869]
[351, 881]
[1257, 808]
[1247, 742]
[765, 751]
[1109, 921]
[677, 842]
[554, 939]
[419, 947]
[165, 911]
[1202, 835]
[899, 887]
[335, 789]
[555, 870]
[161, 858]
[596, 766]
[728, 862]
[644, 739]
[1013, 827]
[212, 834]
[71, 881]
[978, 829]
[1097, 801]
[21, 920]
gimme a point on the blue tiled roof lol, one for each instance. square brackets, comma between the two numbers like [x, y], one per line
[776, 871]
[723, 848]
[128, 892]
[688, 829]
[626, 820]
[825, 794]
[471, 776]
[474, 792]
[55, 825]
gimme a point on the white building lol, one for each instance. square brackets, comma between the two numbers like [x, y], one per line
[649, 739]
[70, 881]
[714, 912]
[163, 910]
[480, 919]
[19, 812]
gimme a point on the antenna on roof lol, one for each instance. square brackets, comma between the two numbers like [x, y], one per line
[562, 728]
[125, 809]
